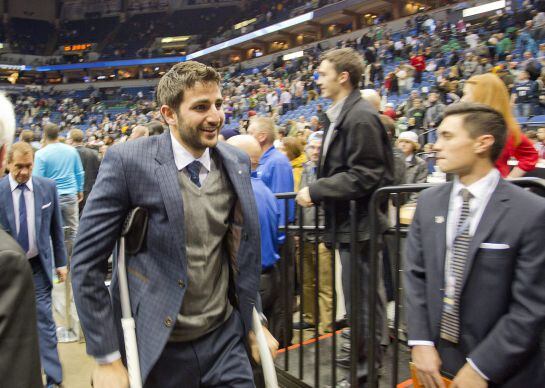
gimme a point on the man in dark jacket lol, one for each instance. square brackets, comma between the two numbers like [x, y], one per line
[20, 356]
[356, 159]
[90, 162]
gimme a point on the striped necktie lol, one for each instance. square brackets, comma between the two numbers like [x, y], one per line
[450, 320]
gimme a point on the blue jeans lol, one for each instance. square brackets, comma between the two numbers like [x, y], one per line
[525, 109]
[70, 220]
[47, 331]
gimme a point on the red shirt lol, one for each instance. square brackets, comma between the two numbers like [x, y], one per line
[390, 112]
[525, 153]
[418, 62]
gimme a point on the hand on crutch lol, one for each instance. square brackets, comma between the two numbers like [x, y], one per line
[263, 347]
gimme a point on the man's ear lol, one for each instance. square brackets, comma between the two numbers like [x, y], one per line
[261, 137]
[484, 144]
[343, 77]
[169, 115]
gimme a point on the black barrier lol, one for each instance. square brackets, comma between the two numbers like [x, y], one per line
[301, 231]
[394, 193]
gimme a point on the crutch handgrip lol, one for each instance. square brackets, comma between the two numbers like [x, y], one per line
[267, 363]
[133, 363]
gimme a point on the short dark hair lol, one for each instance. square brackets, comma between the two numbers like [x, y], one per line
[481, 119]
[349, 60]
[179, 78]
[51, 131]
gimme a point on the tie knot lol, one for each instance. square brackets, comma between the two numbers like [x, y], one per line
[22, 187]
[466, 195]
[194, 167]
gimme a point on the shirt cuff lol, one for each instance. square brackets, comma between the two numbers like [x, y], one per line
[476, 369]
[62, 267]
[421, 343]
[109, 358]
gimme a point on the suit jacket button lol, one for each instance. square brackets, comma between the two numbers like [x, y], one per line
[168, 321]
[181, 283]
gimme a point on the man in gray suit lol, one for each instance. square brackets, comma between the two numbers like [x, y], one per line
[475, 263]
[195, 282]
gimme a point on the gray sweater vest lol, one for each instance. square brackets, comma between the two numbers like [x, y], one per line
[206, 216]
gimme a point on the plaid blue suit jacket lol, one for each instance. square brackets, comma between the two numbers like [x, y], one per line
[143, 173]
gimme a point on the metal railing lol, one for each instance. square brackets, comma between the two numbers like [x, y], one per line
[291, 376]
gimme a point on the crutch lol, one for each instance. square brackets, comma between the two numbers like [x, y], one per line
[269, 372]
[132, 237]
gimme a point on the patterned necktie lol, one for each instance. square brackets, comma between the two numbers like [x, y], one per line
[450, 321]
[194, 168]
[22, 236]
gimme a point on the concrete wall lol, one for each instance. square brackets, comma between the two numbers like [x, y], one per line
[32, 9]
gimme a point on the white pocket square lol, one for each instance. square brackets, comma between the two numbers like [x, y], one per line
[46, 205]
[494, 246]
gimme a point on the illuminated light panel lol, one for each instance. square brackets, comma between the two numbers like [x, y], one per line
[483, 8]
[290, 56]
[256, 34]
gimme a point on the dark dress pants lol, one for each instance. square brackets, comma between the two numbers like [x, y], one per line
[47, 330]
[218, 359]
[362, 257]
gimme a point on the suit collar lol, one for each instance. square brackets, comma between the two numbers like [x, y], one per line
[165, 155]
[13, 183]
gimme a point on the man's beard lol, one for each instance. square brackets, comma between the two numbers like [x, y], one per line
[192, 135]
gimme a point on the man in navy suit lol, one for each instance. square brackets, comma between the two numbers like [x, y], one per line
[30, 213]
[475, 262]
[195, 281]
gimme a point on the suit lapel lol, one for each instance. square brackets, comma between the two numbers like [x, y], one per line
[440, 222]
[167, 177]
[37, 188]
[9, 207]
[495, 209]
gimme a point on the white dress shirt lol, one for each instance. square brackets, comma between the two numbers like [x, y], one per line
[30, 216]
[182, 157]
[481, 192]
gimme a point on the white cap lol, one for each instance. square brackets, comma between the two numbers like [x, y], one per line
[408, 135]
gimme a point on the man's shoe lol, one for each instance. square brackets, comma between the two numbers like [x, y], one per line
[302, 326]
